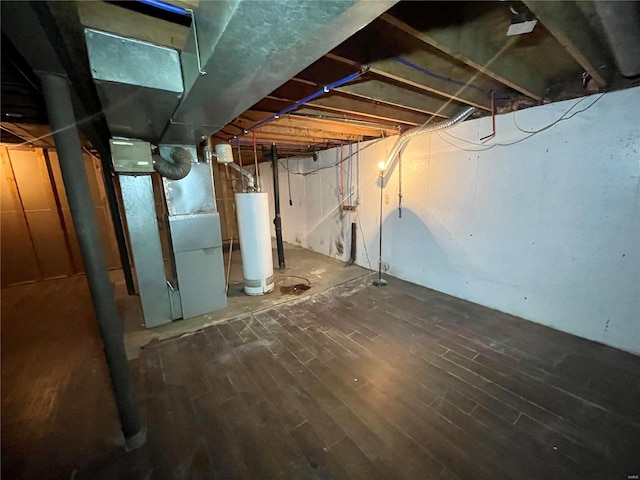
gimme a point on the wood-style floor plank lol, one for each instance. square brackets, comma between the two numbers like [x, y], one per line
[353, 383]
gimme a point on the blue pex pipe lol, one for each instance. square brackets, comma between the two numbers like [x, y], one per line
[325, 89]
[435, 75]
[167, 7]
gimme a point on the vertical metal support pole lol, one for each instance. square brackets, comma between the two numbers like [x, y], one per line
[276, 200]
[380, 282]
[58, 99]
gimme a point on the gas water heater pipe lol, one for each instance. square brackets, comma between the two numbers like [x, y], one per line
[224, 155]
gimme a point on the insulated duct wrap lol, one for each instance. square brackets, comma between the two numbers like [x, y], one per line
[414, 132]
[176, 169]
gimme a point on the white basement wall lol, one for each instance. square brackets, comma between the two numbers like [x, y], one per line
[547, 228]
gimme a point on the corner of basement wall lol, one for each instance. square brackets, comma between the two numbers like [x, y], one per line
[545, 227]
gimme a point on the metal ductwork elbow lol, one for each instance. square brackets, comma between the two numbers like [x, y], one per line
[175, 169]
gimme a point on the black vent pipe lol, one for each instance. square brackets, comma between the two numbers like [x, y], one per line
[57, 96]
[276, 201]
[352, 256]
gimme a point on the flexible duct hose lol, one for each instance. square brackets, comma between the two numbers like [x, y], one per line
[178, 168]
[414, 132]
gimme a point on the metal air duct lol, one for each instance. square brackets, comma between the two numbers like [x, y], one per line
[139, 84]
[621, 22]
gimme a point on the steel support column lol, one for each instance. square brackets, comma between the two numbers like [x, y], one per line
[58, 99]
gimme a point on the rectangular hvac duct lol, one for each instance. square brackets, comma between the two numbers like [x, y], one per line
[139, 83]
[139, 206]
[246, 49]
[237, 52]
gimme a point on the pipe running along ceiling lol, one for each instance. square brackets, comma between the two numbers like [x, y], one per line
[235, 54]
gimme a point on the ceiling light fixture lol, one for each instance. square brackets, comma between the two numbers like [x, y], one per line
[523, 21]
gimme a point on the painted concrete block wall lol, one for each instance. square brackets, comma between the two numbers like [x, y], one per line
[294, 215]
[544, 226]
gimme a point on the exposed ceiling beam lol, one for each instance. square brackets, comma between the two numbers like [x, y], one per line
[232, 131]
[364, 108]
[31, 135]
[24, 107]
[468, 44]
[299, 122]
[399, 97]
[371, 90]
[7, 137]
[349, 119]
[22, 99]
[293, 130]
[269, 137]
[370, 108]
[392, 70]
[220, 136]
[36, 134]
[284, 151]
[246, 145]
[566, 23]
[369, 86]
[366, 128]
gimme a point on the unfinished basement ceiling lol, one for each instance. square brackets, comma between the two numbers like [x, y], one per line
[423, 61]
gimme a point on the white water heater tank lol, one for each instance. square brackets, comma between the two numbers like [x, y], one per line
[255, 242]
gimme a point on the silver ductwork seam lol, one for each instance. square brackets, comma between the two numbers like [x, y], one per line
[414, 132]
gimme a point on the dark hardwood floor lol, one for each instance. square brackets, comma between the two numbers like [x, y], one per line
[357, 383]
